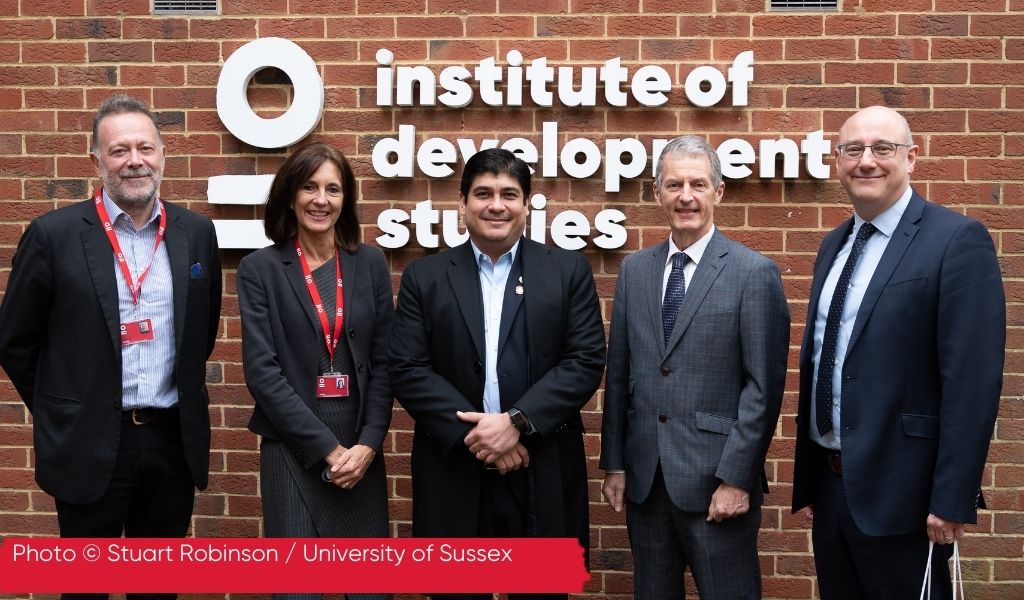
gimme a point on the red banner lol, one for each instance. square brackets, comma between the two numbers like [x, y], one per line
[240, 565]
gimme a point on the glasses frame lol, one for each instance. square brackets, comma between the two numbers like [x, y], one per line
[842, 150]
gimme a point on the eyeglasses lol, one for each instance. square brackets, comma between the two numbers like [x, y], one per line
[312, 189]
[878, 150]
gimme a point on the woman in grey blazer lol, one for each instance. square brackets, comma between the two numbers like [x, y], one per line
[316, 313]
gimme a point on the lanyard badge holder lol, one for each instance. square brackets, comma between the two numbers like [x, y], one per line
[330, 384]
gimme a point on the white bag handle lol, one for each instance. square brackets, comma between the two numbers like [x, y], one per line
[957, 575]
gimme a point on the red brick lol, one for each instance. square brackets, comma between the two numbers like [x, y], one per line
[465, 50]
[570, 26]
[701, 26]
[53, 8]
[120, 52]
[997, 25]
[222, 28]
[393, 6]
[933, 25]
[321, 7]
[964, 145]
[859, 73]
[190, 51]
[459, 6]
[94, 28]
[157, 75]
[988, 169]
[860, 25]
[26, 29]
[764, 50]
[118, 7]
[255, 7]
[896, 97]
[788, 25]
[499, 26]
[164, 28]
[893, 48]
[970, 97]
[429, 27]
[875, 6]
[642, 25]
[835, 49]
[966, 48]
[600, 50]
[293, 29]
[971, 5]
[996, 73]
[677, 6]
[783, 121]
[678, 49]
[788, 74]
[944, 73]
[999, 121]
[53, 52]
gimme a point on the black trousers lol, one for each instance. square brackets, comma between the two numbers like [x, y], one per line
[855, 566]
[501, 515]
[151, 494]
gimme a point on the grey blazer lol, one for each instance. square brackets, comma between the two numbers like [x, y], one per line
[704, 406]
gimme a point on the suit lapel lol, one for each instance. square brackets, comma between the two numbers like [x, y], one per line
[902, 236]
[465, 284]
[297, 280]
[707, 272]
[542, 296]
[349, 273]
[100, 260]
[176, 239]
[654, 277]
[511, 300]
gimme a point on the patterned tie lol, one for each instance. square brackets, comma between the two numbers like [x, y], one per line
[674, 292]
[827, 362]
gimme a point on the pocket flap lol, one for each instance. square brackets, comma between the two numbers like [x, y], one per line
[715, 423]
[922, 426]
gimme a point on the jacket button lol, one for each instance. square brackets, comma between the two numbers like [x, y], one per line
[665, 371]
[352, 333]
[662, 418]
[477, 366]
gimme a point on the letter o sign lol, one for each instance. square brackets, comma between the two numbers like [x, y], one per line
[233, 105]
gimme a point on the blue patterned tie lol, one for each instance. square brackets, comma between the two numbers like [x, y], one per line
[674, 292]
[827, 361]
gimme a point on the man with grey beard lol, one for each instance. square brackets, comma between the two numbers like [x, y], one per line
[110, 314]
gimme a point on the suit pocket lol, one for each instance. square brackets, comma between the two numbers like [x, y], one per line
[907, 285]
[920, 426]
[59, 409]
[714, 423]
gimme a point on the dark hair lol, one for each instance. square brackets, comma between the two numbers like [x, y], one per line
[279, 220]
[498, 162]
[119, 104]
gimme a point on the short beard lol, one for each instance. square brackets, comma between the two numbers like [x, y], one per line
[129, 200]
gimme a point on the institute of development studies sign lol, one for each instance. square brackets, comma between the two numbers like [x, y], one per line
[532, 84]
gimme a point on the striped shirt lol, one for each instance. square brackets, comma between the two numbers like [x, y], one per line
[147, 368]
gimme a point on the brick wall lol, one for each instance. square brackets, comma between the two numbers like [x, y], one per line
[954, 68]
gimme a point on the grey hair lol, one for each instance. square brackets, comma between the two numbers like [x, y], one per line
[119, 104]
[692, 145]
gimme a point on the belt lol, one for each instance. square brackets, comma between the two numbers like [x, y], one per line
[150, 416]
[834, 460]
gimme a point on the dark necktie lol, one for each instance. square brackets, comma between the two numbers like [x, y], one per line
[674, 292]
[827, 361]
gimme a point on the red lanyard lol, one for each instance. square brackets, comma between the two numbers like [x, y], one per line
[318, 304]
[135, 288]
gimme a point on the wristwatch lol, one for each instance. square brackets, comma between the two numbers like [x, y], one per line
[519, 421]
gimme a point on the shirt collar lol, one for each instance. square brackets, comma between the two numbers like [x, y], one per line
[513, 251]
[696, 250]
[890, 217]
[114, 211]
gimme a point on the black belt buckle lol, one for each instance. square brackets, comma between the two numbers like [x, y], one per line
[149, 415]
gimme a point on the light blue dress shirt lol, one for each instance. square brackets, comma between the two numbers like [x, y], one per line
[872, 254]
[147, 368]
[493, 277]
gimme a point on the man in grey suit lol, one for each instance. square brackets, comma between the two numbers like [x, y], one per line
[696, 371]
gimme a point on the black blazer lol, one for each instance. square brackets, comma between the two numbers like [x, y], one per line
[60, 343]
[281, 336]
[437, 368]
[921, 377]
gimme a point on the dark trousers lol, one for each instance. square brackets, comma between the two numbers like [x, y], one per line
[666, 540]
[501, 515]
[854, 566]
[151, 494]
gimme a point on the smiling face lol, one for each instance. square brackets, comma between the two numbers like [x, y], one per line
[685, 192]
[875, 184]
[129, 158]
[318, 202]
[494, 212]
